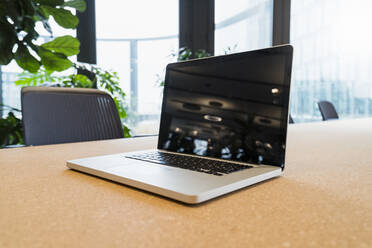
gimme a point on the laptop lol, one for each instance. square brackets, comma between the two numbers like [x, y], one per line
[223, 127]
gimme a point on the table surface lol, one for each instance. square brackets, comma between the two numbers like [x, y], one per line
[323, 199]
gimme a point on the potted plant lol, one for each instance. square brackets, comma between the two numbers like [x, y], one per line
[11, 128]
[183, 54]
[42, 62]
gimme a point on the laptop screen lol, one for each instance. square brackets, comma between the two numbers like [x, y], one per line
[232, 107]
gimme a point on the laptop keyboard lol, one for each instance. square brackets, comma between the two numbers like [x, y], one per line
[208, 166]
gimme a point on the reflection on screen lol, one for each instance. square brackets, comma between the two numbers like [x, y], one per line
[231, 107]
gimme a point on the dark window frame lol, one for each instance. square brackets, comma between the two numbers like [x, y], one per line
[281, 22]
[196, 25]
[86, 33]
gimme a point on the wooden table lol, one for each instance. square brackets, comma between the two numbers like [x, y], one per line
[323, 199]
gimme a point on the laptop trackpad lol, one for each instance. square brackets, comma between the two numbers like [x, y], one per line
[160, 175]
[130, 166]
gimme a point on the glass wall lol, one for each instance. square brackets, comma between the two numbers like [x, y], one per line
[242, 25]
[136, 39]
[332, 57]
[331, 38]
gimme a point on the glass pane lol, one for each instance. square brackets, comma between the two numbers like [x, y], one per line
[11, 93]
[244, 25]
[136, 39]
[136, 19]
[332, 57]
[153, 57]
[115, 55]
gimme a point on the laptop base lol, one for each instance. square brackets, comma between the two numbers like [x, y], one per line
[179, 184]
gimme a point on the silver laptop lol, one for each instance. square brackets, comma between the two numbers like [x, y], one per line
[223, 127]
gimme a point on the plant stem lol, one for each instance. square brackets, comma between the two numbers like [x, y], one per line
[7, 106]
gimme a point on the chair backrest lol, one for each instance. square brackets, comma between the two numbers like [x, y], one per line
[327, 110]
[291, 121]
[54, 115]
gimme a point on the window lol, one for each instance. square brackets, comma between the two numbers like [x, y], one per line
[332, 57]
[331, 39]
[242, 25]
[136, 39]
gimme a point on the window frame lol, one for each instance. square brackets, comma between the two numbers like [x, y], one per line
[191, 12]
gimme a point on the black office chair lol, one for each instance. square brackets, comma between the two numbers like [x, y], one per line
[54, 115]
[291, 121]
[327, 110]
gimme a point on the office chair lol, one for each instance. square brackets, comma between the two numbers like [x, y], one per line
[291, 121]
[54, 115]
[327, 110]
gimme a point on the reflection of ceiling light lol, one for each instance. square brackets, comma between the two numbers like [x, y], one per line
[275, 91]
[268, 146]
[191, 106]
[265, 121]
[215, 104]
[213, 118]
[258, 143]
[177, 130]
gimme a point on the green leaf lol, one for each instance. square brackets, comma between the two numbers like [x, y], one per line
[28, 8]
[53, 61]
[63, 17]
[26, 79]
[120, 107]
[81, 81]
[25, 60]
[13, 12]
[79, 5]
[126, 132]
[40, 78]
[42, 13]
[3, 8]
[52, 3]
[11, 130]
[42, 16]
[184, 54]
[8, 38]
[66, 45]
[29, 28]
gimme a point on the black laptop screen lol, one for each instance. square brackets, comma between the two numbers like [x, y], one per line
[232, 107]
